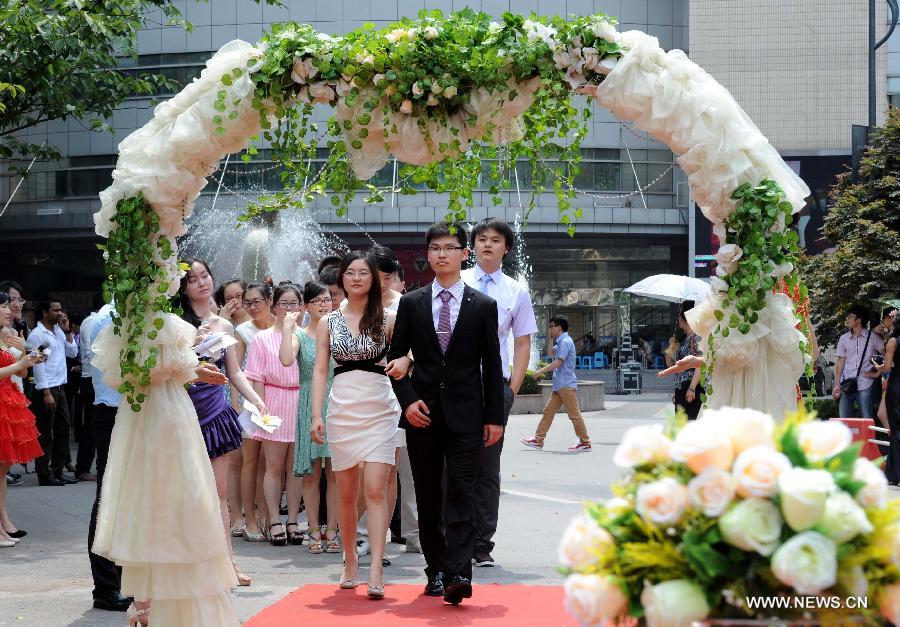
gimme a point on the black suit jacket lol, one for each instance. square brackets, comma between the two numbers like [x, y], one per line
[464, 386]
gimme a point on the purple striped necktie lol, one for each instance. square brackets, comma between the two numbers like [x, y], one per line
[443, 329]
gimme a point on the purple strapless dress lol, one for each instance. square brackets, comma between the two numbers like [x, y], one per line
[218, 420]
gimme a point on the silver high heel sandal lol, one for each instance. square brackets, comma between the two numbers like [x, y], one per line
[136, 617]
[375, 592]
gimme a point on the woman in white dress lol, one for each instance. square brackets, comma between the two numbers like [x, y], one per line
[362, 410]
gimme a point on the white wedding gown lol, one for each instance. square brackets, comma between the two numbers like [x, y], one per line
[159, 513]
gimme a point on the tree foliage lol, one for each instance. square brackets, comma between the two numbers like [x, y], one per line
[865, 222]
[58, 60]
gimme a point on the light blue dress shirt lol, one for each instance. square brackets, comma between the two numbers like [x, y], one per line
[564, 376]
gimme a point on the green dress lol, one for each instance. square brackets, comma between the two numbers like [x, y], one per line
[306, 450]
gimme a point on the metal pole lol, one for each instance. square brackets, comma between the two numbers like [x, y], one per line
[692, 234]
[19, 184]
[221, 180]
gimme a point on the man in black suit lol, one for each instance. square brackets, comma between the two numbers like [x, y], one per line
[453, 406]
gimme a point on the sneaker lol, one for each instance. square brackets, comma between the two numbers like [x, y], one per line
[581, 447]
[532, 443]
[11, 480]
[364, 548]
[483, 558]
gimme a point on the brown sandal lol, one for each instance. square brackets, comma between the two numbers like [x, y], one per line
[315, 542]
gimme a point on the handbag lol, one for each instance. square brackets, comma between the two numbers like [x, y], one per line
[850, 386]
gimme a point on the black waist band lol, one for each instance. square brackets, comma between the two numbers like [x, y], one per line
[367, 365]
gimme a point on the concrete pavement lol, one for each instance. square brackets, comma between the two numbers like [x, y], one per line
[45, 580]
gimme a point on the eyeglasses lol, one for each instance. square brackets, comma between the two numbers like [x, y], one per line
[291, 305]
[17, 301]
[256, 302]
[437, 250]
[325, 300]
[363, 274]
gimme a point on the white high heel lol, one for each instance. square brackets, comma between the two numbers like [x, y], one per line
[7, 543]
[136, 617]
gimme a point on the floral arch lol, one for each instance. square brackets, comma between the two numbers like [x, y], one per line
[439, 94]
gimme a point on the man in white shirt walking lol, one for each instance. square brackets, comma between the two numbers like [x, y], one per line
[492, 240]
[48, 400]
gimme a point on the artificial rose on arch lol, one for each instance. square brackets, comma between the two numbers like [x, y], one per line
[728, 256]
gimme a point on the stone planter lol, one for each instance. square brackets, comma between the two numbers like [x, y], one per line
[591, 397]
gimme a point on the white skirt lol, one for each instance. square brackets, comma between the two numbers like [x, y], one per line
[363, 414]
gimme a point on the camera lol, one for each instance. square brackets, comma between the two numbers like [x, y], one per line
[877, 360]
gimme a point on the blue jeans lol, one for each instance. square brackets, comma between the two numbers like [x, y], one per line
[863, 397]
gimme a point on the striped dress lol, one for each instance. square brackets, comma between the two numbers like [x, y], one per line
[282, 387]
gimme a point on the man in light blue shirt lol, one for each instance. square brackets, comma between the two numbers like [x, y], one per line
[565, 389]
[107, 576]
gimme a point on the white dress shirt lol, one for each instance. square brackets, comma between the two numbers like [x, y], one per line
[515, 315]
[456, 291]
[84, 345]
[52, 372]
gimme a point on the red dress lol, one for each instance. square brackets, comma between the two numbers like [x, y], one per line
[18, 433]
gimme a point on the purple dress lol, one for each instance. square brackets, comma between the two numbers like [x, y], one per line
[218, 419]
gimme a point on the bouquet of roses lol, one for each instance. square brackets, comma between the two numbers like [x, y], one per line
[729, 508]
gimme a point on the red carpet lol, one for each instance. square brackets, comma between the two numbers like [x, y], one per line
[491, 604]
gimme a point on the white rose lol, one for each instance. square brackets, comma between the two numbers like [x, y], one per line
[702, 317]
[396, 35]
[756, 471]
[728, 256]
[675, 603]
[591, 57]
[719, 231]
[844, 519]
[417, 90]
[642, 445]
[562, 59]
[889, 602]
[583, 541]
[661, 502]
[745, 428]
[822, 439]
[406, 106]
[430, 33]
[604, 30]
[711, 491]
[854, 581]
[718, 283]
[783, 269]
[365, 59]
[436, 88]
[376, 80]
[874, 492]
[412, 33]
[752, 525]
[803, 496]
[594, 599]
[450, 91]
[807, 563]
[700, 444]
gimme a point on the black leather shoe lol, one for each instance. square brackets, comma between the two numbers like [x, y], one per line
[52, 481]
[435, 585]
[114, 602]
[19, 533]
[457, 589]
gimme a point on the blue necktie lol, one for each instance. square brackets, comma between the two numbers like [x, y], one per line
[483, 283]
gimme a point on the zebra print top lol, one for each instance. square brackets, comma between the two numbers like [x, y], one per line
[345, 347]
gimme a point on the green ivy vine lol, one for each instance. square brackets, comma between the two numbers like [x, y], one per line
[138, 289]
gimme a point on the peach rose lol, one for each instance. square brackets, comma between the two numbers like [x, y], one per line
[582, 542]
[642, 445]
[823, 439]
[744, 427]
[756, 471]
[874, 492]
[594, 599]
[711, 491]
[700, 444]
[662, 502]
[889, 602]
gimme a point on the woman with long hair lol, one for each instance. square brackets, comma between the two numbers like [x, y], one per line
[258, 305]
[889, 408]
[218, 420]
[299, 346]
[279, 386]
[18, 433]
[229, 297]
[363, 412]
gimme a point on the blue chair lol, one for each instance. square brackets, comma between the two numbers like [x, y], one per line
[587, 363]
[600, 360]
